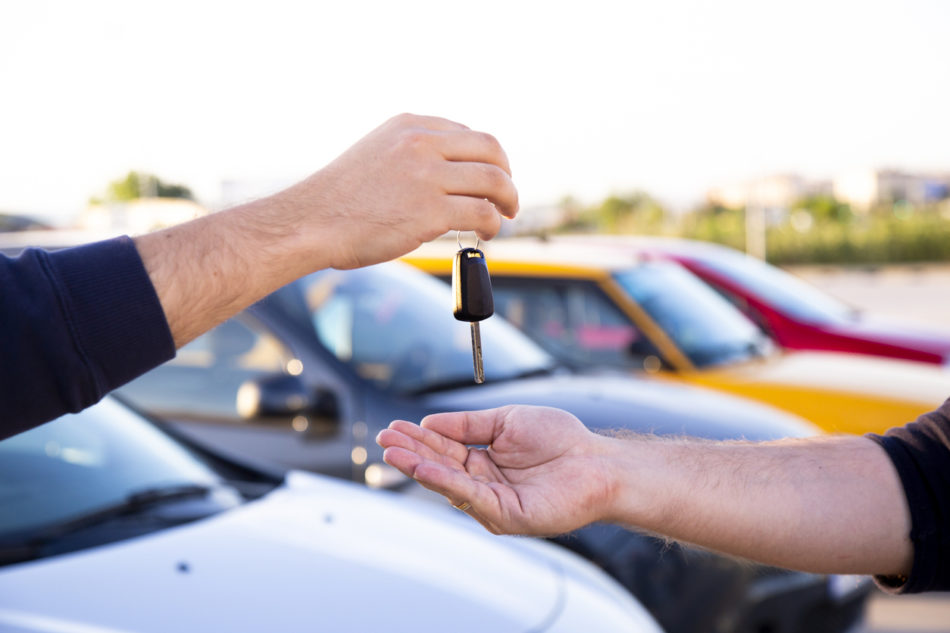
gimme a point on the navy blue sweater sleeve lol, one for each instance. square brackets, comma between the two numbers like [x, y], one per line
[74, 324]
[921, 453]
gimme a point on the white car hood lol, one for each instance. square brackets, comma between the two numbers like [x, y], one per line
[313, 555]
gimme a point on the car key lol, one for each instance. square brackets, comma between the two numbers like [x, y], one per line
[471, 286]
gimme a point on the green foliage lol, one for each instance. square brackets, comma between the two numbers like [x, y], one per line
[824, 207]
[634, 213]
[816, 230]
[921, 236]
[714, 223]
[137, 185]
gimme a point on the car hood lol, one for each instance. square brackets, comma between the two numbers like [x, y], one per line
[314, 555]
[619, 401]
[886, 378]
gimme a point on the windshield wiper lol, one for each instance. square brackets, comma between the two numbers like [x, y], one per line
[443, 385]
[545, 370]
[459, 383]
[28, 547]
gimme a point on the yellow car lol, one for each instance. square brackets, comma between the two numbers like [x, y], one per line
[600, 306]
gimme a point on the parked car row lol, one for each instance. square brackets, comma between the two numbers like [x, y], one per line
[307, 377]
[593, 302]
[304, 380]
[110, 524]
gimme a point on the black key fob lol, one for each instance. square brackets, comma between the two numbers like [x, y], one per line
[471, 286]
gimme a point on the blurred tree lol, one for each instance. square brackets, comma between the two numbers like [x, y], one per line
[818, 229]
[137, 185]
[712, 222]
[824, 207]
[637, 212]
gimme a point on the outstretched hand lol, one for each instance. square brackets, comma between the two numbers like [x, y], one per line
[523, 470]
[408, 181]
[822, 504]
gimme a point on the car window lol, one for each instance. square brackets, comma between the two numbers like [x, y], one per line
[574, 320]
[785, 291]
[204, 378]
[706, 327]
[393, 325]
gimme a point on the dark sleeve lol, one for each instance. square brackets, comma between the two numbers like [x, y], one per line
[74, 324]
[921, 453]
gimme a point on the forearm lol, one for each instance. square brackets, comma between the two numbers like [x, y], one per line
[407, 182]
[818, 504]
[207, 270]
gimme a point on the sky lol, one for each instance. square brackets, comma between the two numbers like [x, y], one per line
[588, 98]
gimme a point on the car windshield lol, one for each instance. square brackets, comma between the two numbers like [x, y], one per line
[82, 463]
[775, 286]
[707, 328]
[394, 326]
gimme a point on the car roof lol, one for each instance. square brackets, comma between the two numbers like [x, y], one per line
[643, 245]
[508, 255]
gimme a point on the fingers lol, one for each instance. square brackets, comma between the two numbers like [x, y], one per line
[466, 427]
[452, 482]
[472, 214]
[444, 466]
[425, 443]
[477, 167]
[473, 147]
[481, 181]
[425, 121]
[416, 178]
[459, 488]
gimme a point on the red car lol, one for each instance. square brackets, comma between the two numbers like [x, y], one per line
[793, 312]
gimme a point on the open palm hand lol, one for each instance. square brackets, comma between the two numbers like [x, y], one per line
[524, 470]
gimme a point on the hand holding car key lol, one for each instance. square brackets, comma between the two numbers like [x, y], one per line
[471, 286]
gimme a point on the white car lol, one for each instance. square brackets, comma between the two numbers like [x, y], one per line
[108, 524]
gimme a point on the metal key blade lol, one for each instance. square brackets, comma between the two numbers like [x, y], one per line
[477, 353]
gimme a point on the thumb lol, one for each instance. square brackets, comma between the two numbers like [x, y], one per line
[467, 427]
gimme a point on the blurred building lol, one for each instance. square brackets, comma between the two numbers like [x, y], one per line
[865, 188]
[138, 216]
[862, 189]
[776, 191]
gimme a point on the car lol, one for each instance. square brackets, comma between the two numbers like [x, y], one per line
[795, 313]
[602, 305]
[111, 524]
[307, 377]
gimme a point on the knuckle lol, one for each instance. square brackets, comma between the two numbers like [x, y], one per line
[489, 141]
[404, 118]
[413, 139]
[494, 178]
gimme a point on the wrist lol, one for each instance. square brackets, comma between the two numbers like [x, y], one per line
[632, 465]
[286, 233]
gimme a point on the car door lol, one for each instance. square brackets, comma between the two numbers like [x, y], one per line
[574, 320]
[199, 393]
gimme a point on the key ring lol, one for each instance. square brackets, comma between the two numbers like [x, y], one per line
[458, 240]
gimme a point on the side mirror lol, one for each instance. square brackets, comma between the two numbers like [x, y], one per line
[282, 396]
